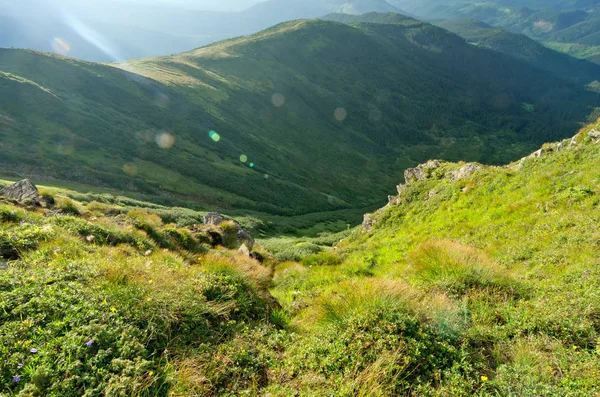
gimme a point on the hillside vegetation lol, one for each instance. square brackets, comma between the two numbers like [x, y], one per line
[250, 123]
[474, 280]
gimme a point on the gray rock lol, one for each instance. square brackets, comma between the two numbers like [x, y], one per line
[20, 191]
[464, 172]
[575, 140]
[414, 174]
[368, 223]
[594, 135]
[538, 153]
[244, 250]
[213, 218]
[4, 266]
[244, 239]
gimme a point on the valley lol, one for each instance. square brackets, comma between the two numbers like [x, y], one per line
[299, 198]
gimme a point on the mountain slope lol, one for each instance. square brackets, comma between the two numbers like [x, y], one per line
[524, 48]
[495, 268]
[110, 30]
[306, 116]
[473, 281]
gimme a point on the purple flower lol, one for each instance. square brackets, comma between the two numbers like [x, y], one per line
[33, 350]
[89, 343]
[17, 379]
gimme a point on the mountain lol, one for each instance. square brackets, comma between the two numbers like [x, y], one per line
[565, 26]
[307, 116]
[113, 30]
[524, 48]
[474, 280]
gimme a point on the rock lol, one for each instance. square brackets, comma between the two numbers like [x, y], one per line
[575, 140]
[414, 174]
[245, 239]
[244, 250]
[538, 153]
[3, 266]
[213, 218]
[431, 164]
[233, 236]
[368, 223]
[420, 173]
[20, 191]
[464, 172]
[594, 135]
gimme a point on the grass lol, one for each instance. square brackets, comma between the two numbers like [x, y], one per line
[487, 285]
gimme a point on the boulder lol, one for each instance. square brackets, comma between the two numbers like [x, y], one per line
[368, 223]
[20, 191]
[594, 135]
[245, 239]
[414, 174]
[464, 172]
[244, 250]
[538, 153]
[213, 218]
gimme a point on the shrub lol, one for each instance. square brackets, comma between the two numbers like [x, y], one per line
[322, 259]
[456, 268]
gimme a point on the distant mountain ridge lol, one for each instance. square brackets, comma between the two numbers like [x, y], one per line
[306, 116]
[117, 31]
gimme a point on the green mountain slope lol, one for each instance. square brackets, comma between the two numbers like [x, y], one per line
[495, 268]
[306, 116]
[524, 48]
[474, 280]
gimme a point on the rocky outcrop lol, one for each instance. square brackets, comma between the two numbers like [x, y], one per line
[421, 172]
[20, 191]
[213, 218]
[368, 223]
[463, 172]
[414, 175]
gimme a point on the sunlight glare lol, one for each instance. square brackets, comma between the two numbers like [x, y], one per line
[60, 46]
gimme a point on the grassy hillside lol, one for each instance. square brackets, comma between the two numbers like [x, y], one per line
[487, 285]
[470, 283]
[567, 26]
[526, 49]
[308, 116]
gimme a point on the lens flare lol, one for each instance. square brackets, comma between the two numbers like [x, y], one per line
[164, 140]
[251, 165]
[214, 136]
[130, 169]
[278, 100]
[92, 37]
[266, 176]
[243, 158]
[60, 46]
[340, 114]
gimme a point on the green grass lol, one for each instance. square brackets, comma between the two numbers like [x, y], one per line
[483, 286]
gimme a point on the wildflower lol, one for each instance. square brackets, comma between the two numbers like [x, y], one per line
[113, 309]
[33, 350]
[150, 282]
[17, 379]
[20, 366]
[150, 373]
[89, 343]
[484, 378]
[575, 347]
[148, 299]
[90, 238]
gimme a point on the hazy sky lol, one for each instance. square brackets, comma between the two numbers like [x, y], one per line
[222, 5]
